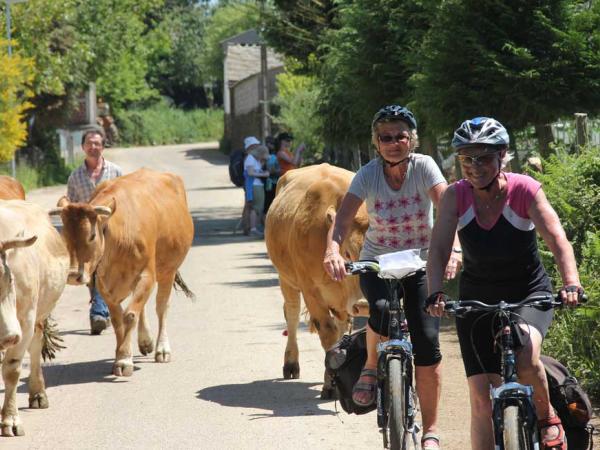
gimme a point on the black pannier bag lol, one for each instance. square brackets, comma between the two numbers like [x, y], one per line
[571, 403]
[343, 362]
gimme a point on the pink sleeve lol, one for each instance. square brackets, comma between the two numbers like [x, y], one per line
[522, 189]
[464, 197]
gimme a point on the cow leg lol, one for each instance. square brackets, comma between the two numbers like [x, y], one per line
[145, 343]
[124, 359]
[291, 312]
[163, 300]
[11, 372]
[37, 387]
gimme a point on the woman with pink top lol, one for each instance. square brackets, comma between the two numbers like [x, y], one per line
[496, 214]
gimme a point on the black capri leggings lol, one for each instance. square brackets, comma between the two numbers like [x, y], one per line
[424, 329]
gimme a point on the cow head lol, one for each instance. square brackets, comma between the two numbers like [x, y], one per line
[83, 232]
[10, 330]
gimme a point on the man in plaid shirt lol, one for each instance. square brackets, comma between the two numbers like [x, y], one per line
[80, 187]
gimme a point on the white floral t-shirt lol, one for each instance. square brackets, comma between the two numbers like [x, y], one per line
[398, 219]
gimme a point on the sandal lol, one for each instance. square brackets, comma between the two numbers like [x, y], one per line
[362, 386]
[558, 443]
[430, 437]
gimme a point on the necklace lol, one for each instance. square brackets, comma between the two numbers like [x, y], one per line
[494, 199]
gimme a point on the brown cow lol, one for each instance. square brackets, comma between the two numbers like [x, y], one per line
[296, 230]
[33, 273]
[135, 232]
[11, 189]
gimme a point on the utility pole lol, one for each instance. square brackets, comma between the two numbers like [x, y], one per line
[13, 163]
[263, 96]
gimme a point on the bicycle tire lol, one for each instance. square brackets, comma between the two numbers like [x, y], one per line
[396, 404]
[515, 434]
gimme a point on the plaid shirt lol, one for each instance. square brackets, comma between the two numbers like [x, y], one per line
[80, 186]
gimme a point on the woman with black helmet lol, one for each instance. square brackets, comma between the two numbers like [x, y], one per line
[400, 189]
[496, 214]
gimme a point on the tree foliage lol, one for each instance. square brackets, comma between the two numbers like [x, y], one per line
[15, 76]
[523, 62]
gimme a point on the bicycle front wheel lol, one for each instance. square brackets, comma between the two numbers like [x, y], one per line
[396, 404]
[515, 435]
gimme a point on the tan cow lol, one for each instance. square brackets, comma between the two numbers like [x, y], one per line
[11, 189]
[296, 231]
[135, 232]
[33, 274]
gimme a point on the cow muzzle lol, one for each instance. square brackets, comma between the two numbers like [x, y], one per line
[78, 278]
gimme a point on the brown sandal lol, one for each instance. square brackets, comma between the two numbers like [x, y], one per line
[362, 386]
[558, 443]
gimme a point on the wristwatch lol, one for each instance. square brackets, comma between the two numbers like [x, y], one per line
[457, 249]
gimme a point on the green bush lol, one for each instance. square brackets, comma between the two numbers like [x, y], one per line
[572, 185]
[162, 124]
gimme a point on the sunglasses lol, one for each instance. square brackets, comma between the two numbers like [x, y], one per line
[388, 138]
[479, 160]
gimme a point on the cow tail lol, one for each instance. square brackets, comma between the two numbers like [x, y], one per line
[51, 339]
[180, 285]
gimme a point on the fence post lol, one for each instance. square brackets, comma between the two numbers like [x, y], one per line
[582, 130]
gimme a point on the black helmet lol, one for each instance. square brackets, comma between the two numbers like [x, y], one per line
[394, 111]
[480, 130]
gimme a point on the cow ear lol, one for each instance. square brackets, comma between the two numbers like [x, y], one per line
[330, 215]
[18, 241]
[62, 202]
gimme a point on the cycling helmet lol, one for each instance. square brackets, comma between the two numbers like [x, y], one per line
[394, 111]
[480, 130]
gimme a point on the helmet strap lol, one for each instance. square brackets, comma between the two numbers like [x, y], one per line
[393, 164]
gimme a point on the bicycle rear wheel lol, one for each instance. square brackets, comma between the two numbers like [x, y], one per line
[516, 436]
[396, 404]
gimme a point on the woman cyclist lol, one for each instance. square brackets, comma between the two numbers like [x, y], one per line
[400, 188]
[496, 214]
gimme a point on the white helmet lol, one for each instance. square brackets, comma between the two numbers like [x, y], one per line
[480, 130]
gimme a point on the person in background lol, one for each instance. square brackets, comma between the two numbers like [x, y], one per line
[80, 188]
[274, 171]
[253, 169]
[497, 214]
[288, 160]
[250, 142]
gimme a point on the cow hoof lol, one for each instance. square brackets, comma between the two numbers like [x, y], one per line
[291, 371]
[121, 369]
[146, 347]
[13, 430]
[162, 357]
[328, 394]
[39, 401]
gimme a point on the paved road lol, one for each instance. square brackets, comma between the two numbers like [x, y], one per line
[223, 388]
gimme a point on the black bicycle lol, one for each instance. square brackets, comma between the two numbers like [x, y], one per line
[513, 411]
[396, 396]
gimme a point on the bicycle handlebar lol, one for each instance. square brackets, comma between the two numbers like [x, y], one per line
[542, 302]
[356, 267]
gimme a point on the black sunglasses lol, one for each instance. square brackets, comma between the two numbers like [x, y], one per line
[479, 160]
[388, 138]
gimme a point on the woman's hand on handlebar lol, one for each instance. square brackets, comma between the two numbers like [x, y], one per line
[435, 303]
[571, 295]
[334, 265]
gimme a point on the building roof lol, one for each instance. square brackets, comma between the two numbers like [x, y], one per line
[243, 61]
[248, 37]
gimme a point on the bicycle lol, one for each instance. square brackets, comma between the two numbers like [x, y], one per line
[396, 395]
[513, 411]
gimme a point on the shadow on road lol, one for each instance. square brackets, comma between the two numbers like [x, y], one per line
[280, 398]
[210, 155]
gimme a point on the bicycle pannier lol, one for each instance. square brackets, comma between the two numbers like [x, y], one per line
[571, 403]
[343, 362]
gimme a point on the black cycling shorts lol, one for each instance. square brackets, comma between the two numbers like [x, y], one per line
[424, 329]
[479, 353]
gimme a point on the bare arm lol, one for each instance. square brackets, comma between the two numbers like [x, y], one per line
[548, 226]
[253, 173]
[455, 259]
[296, 159]
[440, 247]
[333, 262]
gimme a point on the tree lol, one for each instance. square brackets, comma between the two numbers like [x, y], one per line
[523, 62]
[15, 76]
